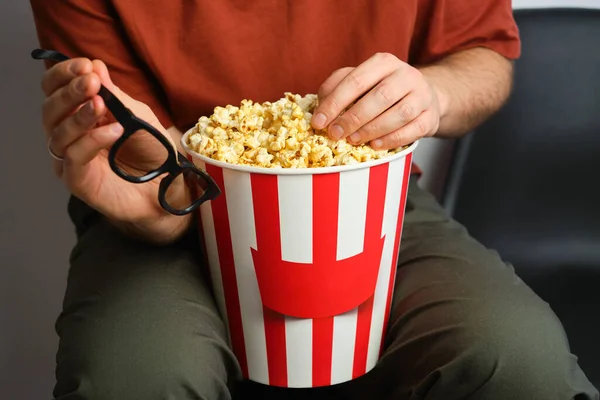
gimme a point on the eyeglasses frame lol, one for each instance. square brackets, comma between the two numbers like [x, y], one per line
[176, 163]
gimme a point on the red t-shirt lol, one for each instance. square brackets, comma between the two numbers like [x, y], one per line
[183, 58]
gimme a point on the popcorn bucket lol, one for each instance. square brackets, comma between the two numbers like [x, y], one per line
[303, 262]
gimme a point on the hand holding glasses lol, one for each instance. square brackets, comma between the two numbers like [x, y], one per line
[166, 160]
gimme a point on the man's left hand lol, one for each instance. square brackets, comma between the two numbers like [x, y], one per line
[394, 104]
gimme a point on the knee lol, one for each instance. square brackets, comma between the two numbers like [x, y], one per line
[149, 351]
[513, 349]
[153, 375]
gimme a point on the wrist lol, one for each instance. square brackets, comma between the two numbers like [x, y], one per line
[160, 231]
[471, 85]
[435, 76]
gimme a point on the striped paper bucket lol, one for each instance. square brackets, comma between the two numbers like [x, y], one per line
[302, 264]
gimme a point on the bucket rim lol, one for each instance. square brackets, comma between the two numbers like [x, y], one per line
[294, 171]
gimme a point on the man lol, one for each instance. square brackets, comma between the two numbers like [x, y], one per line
[139, 321]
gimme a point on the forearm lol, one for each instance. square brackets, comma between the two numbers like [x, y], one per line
[470, 86]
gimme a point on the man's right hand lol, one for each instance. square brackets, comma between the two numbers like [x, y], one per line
[80, 131]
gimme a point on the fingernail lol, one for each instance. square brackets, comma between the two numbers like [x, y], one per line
[75, 66]
[319, 120]
[116, 127]
[377, 143]
[89, 108]
[355, 137]
[81, 86]
[336, 132]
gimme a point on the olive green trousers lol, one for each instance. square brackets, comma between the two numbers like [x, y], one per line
[139, 322]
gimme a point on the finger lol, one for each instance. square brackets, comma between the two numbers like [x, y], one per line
[373, 104]
[424, 125]
[64, 72]
[354, 85]
[68, 99]
[87, 147]
[399, 115]
[73, 127]
[334, 79]
[101, 70]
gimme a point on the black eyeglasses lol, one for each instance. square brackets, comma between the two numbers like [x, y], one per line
[166, 158]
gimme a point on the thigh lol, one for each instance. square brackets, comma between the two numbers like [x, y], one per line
[139, 321]
[463, 325]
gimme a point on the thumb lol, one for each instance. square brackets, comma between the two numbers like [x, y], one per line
[87, 147]
[319, 120]
[82, 170]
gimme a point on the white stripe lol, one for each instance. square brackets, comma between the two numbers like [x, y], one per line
[298, 340]
[344, 339]
[390, 218]
[352, 214]
[295, 218]
[243, 237]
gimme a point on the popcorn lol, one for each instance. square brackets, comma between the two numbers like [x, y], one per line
[274, 135]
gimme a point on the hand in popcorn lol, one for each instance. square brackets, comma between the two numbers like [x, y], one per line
[274, 135]
[383, 101]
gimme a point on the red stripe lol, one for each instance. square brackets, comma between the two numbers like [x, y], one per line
[276, 347]
[326, 193]
[401, 209]
[232, 299]
[265, 199]
[322, 351]
[378, 179]
[361, 347]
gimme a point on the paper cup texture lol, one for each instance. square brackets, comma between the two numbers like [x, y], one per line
[303, 263]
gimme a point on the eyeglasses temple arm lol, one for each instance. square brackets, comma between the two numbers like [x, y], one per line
[114, 105]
